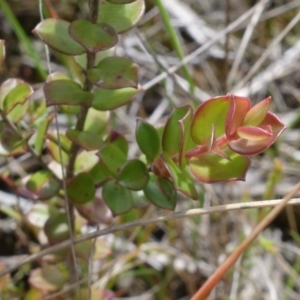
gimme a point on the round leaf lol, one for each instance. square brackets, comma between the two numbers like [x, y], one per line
[86, 140]
[114, 73]
[148, 139]
[42, 185]
[160, 192]
[134, 175]
[110, 99]
[17, 95]
[121, 17]
[54, 33]
[211, 112]
[81, 188]
[113, 158]
[57, 228]
[94, 37]
[117, 198]
[66, 92]
[85, 161]
[211, 168]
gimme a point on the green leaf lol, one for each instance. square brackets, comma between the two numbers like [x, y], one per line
[57, 228]
[81, 188]
[96, 121]
[173, 138]
[87, 140]
[148, 140]
[100, 173]
[81, 60]
[2, 53]
[211, 112]
[121, 1]
[114, 73]
[11, 143]
[42, 185]
[160, 192]
[121, 17]
[7, 86]
[17, 95]
[117, 198]
[49, 278]
[54, 33]
[41, 132]
[118, 140]
[105, 99]
[57, 148]
[134, 175]
[182, 179]
[113, 158]
[93, 37]
[85, 161]
[66, 92]
[211, 168]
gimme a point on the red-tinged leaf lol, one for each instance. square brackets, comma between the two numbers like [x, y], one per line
[105, 99]
[173, 135]
[211, 112]
[254, 133]
[10, 143]
[95, 211]
[239, 106]
[93, 37]
[114, 73]
[212, 168]
[246, 147]
[181, 178]
[87, 140]
[54, 33]
[81, 188]
[257, 113]
[144, 133]
[66, 92]
[117, 198]
[2, 52]
[59, 149]
[121, 17]
[8, 86]
[18, 95]
[134, 175]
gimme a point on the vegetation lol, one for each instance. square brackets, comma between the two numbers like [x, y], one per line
[112, 121]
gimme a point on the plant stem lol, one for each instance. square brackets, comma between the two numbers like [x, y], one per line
[81, 117]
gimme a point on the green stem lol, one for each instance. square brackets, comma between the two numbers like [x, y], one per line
[175, 41]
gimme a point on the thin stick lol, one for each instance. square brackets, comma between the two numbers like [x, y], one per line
[144, 222]
[215, 278]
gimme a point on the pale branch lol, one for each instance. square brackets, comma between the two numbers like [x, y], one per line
[143, 222]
